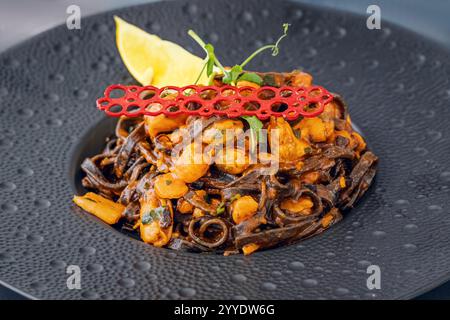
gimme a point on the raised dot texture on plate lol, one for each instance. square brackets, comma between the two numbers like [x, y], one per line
[345, 54]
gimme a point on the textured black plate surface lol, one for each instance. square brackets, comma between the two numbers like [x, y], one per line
[397, 86]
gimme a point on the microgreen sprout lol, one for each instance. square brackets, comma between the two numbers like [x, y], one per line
[210, 59]
[236, 73]
[274, 47]
[221, 208]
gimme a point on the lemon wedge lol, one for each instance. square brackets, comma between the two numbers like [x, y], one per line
[151, 60]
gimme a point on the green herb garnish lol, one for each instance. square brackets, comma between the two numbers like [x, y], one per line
[254, 123]
[255, 129]
[235, 197]
[236, 73]
[153, 215]
[274, 47]
[221, 208]
[211, 59]
[251, 77]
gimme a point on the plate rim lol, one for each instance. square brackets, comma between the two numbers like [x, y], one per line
[432, 42]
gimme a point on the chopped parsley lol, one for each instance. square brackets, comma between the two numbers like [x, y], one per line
[154, 215]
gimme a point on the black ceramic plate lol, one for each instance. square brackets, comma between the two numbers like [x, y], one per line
[397, 86]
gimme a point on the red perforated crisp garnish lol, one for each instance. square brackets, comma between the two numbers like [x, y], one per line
[205, 101]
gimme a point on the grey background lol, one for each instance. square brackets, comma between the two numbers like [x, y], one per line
[22, 19]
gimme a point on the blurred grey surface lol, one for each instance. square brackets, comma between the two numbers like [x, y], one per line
[22, 19]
